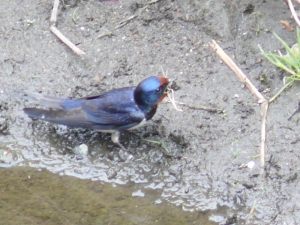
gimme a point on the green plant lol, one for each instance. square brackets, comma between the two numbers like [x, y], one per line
[159, 143]
[234, 151]
[289, 62]
[255, 156]
[74, 14]
[257, 29]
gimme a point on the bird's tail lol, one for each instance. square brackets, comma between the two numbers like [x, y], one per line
[53, 102]
[45, 100]
[74, 117]
[44, 114]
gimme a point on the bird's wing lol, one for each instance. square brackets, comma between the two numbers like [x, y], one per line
[115, 108]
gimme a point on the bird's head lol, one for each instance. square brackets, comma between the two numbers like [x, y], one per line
[150, 92]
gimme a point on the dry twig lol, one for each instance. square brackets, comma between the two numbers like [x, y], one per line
[253, 90]
[200, 107]
[65, 40]
[54, 12]
[291, 6]
[127, 20]
[53, 28]
[251, 212]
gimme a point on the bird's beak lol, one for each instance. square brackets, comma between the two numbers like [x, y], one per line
[167, 90]
[172, 80]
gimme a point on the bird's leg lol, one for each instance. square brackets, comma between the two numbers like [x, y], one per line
[122, 153]
[115, 139]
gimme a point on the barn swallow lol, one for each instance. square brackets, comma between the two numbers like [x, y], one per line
[110, 111]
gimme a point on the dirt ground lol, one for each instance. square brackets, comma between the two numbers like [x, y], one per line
[196, 168]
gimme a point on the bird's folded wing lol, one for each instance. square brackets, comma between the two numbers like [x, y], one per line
[119, 115]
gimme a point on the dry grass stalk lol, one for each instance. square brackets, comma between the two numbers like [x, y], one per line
[261, 100]
[54, 30]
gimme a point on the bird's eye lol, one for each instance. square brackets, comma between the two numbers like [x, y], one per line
[158, 90]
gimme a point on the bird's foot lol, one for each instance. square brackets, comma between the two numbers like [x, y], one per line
[115, 139]
[123, 153]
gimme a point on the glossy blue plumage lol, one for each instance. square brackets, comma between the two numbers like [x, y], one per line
[110, 111]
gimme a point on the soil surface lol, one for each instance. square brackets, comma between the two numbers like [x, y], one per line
[194, 173]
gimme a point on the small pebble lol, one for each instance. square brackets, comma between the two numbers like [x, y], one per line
[158, 201]
[225, 98]
[250, 164]
[83, 149]
[3, 125]
[138, 193]
[111, 173]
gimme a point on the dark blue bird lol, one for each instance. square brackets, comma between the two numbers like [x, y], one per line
[110, 111]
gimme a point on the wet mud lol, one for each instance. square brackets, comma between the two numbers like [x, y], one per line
[191, 161]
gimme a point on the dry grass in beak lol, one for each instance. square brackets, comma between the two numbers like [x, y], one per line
[170, 92]
[171, 97]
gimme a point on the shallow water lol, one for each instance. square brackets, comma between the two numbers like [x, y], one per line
[31, 196]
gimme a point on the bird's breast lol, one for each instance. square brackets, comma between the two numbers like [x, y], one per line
[142, 123]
